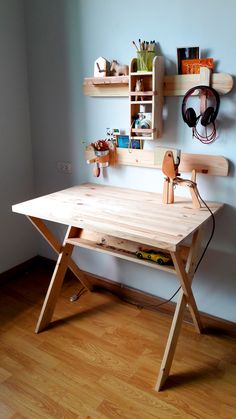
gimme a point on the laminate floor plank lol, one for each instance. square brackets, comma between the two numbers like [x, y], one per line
[100, 357]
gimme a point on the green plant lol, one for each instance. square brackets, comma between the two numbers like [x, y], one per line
[100, 145]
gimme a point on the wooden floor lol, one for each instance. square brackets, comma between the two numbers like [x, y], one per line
[100, 359]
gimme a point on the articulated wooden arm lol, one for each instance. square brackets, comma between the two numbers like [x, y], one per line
[170, 169]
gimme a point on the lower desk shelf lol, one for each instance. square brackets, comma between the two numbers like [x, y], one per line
[121, 248]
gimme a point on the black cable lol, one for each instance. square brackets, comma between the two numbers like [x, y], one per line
[83, 290]
[166, 301]
[203, 253]
[212, 231]
[77, 295]
[206, 247]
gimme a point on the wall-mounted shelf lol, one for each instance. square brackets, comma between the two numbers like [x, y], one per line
[202, 163]
[106, 86]
[173, 85]
[148, 100]
[176, 85]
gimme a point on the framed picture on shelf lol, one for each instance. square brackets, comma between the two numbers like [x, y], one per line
[123, 141]
[186, 53]
[193, 66]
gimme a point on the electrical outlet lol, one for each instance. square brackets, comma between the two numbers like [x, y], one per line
[64, 167]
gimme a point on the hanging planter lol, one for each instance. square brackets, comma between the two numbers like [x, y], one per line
[101, 159]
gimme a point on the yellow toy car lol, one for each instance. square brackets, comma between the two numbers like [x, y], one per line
[158, 257]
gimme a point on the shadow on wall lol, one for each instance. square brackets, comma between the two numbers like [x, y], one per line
[57, 111]
[227, 115]
[231, 169]
[225, 234]
[219, 268]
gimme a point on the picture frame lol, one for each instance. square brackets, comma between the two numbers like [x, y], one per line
[186, 53]
[123, 141]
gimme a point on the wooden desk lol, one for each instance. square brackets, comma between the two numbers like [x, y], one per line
[121, 221]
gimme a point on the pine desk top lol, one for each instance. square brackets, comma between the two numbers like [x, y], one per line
[120, 212]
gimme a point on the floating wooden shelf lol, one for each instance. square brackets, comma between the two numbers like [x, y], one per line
[202, 163]
[121, 248]
[140, 73]
[143, 131]
[173, 85]
[106, 86]
[140, 102]
[147, 93]
[107, 80]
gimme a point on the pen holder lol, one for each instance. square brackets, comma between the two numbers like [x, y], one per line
[144, 60]
[102, 158]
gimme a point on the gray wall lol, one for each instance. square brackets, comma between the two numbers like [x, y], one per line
[16, 172]
[64, 39]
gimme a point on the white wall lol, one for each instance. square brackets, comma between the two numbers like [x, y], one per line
[64, 39]
[16, 172]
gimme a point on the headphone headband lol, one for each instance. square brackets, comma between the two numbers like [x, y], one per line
[201, 88]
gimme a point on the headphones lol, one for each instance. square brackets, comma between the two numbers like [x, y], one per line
[206, 118]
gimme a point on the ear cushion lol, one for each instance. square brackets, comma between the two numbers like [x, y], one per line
[208, 116]
[190, 117]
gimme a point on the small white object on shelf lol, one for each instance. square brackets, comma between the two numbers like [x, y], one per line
[101, 67]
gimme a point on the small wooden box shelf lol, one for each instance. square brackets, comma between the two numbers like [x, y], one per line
[148, 100]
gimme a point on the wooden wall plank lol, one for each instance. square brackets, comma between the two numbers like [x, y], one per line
[202, 163]
[176, 85]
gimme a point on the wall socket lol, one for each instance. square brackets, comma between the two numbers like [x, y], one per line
[64, 167]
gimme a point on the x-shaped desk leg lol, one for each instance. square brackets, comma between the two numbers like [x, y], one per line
[185, 276]
[63, 262]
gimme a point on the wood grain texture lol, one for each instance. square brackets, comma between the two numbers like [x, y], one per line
[56, 282]
[102, 362]
[176, 85]
[134, 296]
[202, 163]
[212, 324]
[165, 234]
[127, 214]
[180, 309]
[57, 247]
[152, 81]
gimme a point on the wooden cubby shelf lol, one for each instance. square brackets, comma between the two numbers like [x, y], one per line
[146, 115]
[156, 86]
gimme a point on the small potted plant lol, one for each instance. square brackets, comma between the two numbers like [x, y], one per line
[101, 150]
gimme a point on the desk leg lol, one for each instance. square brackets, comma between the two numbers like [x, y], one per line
[56, 283]
[171, 342]
[180, 307]
[56, 245]
[187, 290]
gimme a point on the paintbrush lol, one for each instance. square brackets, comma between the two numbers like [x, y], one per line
[135, 45]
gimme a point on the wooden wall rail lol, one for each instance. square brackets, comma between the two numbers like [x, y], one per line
[202, 163]
[176, 85]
